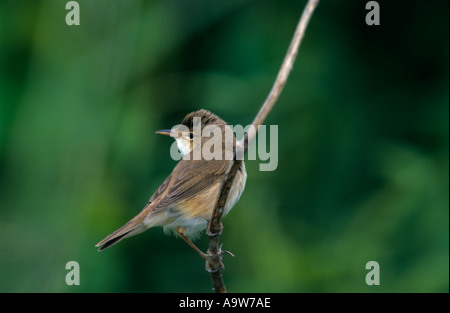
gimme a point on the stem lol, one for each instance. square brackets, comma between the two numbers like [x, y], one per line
[214, 261]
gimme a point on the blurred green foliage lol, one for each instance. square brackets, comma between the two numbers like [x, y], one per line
[363, 143]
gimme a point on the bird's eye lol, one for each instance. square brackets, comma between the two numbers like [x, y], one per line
[191, 136]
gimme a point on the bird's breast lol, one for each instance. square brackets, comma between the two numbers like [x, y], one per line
[236, 189]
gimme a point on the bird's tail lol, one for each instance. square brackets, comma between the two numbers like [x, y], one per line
[133, 227]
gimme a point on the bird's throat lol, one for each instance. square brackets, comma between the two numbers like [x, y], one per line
[183, 145]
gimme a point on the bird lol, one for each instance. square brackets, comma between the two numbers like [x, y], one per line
[185, 201]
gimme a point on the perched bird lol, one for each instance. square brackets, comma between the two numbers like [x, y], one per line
[185, 201]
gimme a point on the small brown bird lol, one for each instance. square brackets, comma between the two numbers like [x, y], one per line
[185, 201]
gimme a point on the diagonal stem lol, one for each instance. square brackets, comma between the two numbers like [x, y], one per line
[214, 261]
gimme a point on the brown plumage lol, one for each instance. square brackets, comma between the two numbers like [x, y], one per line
[185, 200]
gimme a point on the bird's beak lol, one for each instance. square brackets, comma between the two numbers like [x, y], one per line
[166, 132]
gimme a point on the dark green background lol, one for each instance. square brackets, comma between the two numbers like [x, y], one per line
[363, 143]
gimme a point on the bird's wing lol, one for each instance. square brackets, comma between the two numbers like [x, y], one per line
[176, 189]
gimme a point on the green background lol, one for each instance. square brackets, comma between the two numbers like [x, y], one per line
[363, 143]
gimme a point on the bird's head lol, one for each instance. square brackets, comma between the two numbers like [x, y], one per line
[202, 128]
